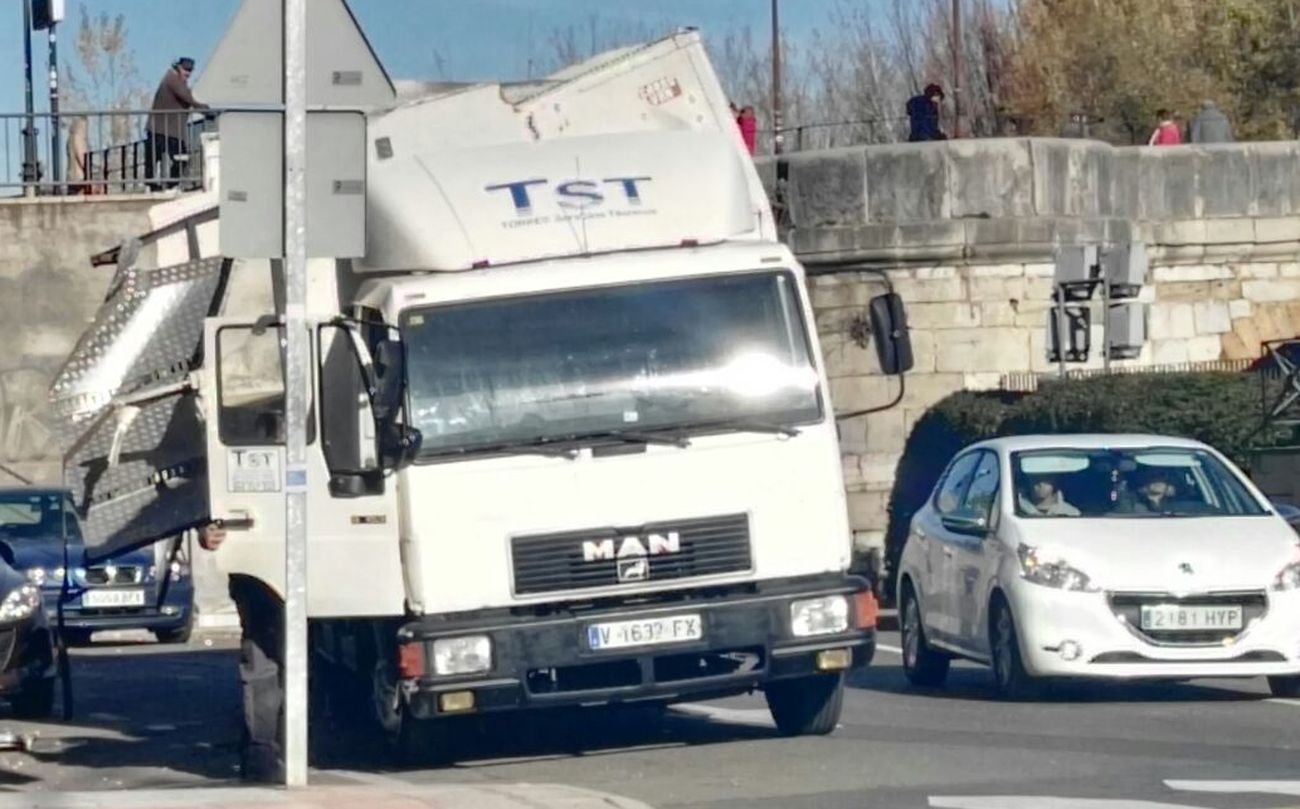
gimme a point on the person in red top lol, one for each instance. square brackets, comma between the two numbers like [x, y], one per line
[748, 128]
[1167, 132]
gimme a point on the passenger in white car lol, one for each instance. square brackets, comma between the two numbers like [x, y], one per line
[1044, 499]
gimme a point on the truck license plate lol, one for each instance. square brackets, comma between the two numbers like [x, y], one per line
[1173, 618]
[112, 598]
[645, 632]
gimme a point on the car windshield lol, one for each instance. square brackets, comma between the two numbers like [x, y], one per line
[34, 516]
[1128, 483]
[681, 355]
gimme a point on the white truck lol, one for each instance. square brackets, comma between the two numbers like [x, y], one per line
[570, 442]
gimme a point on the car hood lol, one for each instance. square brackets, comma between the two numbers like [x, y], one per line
[1165, 554]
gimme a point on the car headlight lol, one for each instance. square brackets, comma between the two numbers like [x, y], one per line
[1057, 574]
[1288, 578]
[36, 575]
[819, 616]
[467, 655]
[179, 570]
[21, 603]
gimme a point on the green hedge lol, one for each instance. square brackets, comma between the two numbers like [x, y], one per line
[1221, 409]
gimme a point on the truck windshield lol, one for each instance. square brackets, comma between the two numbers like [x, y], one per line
[683, 355]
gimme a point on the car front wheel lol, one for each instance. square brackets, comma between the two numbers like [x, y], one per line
[922, 665]
[1009, 674]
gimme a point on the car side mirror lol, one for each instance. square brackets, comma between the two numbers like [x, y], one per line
[889, 333]
[967, 521]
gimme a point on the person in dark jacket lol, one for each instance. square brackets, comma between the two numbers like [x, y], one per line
[1210, 125]
[923, 113]
[164, 134]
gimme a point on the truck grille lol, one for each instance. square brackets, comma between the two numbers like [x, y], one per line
[603, 557]
[1128, 606]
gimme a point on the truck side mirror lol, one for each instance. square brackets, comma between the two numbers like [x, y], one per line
[390, 370]
[889, 333]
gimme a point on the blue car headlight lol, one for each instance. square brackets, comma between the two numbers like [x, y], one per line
[20, 604]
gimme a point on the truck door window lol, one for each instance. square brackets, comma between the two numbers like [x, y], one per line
[250, 385]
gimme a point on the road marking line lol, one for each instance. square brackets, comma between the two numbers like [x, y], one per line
[1280, 701]
[1238, 787]
[893, 650]
[1045, 802]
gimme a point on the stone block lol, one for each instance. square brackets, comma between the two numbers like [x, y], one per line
[844, 357]
[886, 431]
[1276, 178]
[1178, 232]
[987, 349]
[878, 468]
[829, 296]
[997, 271]
[1255, 271]
[868, 510]
[1236, 230]
[1197, 291]
[1040, 270]
[997, 314]
[1172, 321]
[1225, 181]
[851, 469]
[930, 291]
[1204, 349]
[1183, 274]
[1289, 269]
[1239, 308]
[990, 179]
[934, 273]
[1212, 317]
[1277, 229]
[950, 315]
[926, 390]
[828, 188]
[1169, 352]
[1265, 291]
[1246, 331]
[984, 380]
[996, 289]
[837, 320]
[907, 183]
[1235, 349]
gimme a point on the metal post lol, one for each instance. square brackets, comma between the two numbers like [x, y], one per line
[778, 137]
[296, 380]
[1105, 320]
[1060, 328]
[29, 132]
[957, 68]
[56, 135]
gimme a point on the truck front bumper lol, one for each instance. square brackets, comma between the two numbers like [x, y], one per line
[746, 641]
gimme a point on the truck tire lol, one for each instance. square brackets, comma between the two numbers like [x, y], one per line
[35, 700]
[808, 706]
[923, 666]
[1284, 686]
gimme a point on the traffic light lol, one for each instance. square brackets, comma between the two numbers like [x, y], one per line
[45, 13]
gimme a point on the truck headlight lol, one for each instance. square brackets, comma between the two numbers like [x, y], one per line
[1288, 578]
[1058, 574]
[20, 604]
[467, 655]
[819, 616]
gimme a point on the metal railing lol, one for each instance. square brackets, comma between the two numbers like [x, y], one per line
[103, 151]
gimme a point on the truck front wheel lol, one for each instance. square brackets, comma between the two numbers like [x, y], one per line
[808, 706]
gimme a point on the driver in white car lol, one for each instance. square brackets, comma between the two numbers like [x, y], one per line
[1044, 499]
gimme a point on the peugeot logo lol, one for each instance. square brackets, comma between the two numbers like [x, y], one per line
[1186, 568]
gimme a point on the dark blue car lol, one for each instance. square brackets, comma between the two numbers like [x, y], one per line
[135, 590]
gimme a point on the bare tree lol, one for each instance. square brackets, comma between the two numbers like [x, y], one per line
[104, 78]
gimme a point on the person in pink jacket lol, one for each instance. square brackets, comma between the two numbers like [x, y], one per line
[748, 128]
[1167, 132]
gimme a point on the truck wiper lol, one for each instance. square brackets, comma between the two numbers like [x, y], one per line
[751, 426]
[669, 437]
[548, 447]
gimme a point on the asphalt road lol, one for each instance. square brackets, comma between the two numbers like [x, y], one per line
[150, 716]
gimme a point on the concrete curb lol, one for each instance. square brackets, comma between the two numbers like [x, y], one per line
[380, 792]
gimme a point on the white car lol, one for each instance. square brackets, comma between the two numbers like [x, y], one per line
[1104, 556]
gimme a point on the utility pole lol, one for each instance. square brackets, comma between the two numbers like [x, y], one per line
[957, 68]
[31, 172]
[56, 147]
[778, 137]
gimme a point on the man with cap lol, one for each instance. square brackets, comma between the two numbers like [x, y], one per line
[165, 132]
[923, 115]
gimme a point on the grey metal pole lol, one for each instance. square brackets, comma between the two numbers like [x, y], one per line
[30, 171]
[778, 136]
[958, 68]
[296, 381]
[56, 134]
[1060, 328]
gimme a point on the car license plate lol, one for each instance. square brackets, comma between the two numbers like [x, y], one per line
[645, 632]
[112, 598]
[1173, 618]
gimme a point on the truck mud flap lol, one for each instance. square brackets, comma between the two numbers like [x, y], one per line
[133, 439]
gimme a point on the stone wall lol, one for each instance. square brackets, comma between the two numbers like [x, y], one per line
[48, 294]
[966, 232]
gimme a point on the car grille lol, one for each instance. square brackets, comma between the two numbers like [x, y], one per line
[1128, 607]
[681, 549]
[111, 574]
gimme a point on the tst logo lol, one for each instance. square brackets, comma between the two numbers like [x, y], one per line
[571, 195]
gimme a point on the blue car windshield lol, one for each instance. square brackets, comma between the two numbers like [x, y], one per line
[1129, 483]
[35, 516]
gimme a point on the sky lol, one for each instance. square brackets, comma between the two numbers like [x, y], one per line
[425, 39]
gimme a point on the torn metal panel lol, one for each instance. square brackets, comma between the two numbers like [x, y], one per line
[130, 422]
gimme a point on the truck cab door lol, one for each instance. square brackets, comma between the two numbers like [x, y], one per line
[354, 562]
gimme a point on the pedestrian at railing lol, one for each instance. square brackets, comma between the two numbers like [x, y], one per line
[165, 134]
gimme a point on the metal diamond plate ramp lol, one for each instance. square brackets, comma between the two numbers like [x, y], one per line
[135, 449]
